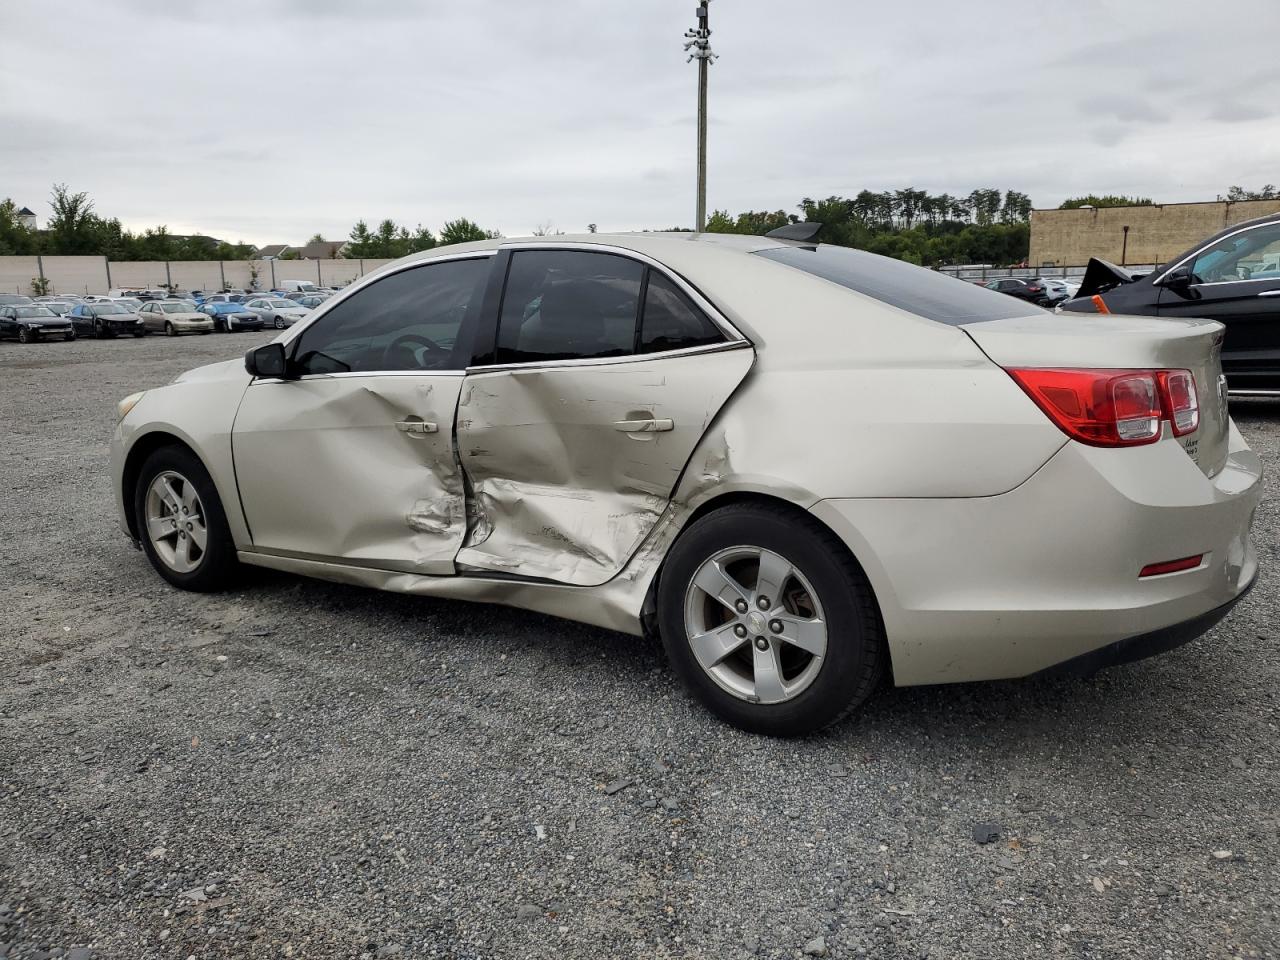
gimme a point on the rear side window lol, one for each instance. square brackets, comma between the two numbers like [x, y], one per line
[671, 321]
[568, 305]
[926, 293]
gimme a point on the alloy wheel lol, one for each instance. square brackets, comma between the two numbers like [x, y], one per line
[755, 624]
[176, 521]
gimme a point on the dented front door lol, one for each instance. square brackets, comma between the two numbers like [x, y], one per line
[571, 465]
[355, 469]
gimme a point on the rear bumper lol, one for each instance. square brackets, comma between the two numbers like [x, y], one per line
[1144, 645]
[1008, 586]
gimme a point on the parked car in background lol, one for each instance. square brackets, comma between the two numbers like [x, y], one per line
[231, 316]
[227, 296]
[60, 307]
[29, 322]
[133, 304]
[12, 299]
[108, 319]
[299, 295]
[653, 435]
[310, 300]
[1055, 291]
[1233, 277]
[297, 286]
[1029, 290]
[277, 311]
[172, 317]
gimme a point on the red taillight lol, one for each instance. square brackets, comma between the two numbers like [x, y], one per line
[1181, 404]
[1113, 408]
[1171, 566]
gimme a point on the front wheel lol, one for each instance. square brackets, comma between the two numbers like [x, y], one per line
[140, 333]
[769, 620]
[181, 523]
[279, 324]
[24, 335]
[71, 335]
[168, 329]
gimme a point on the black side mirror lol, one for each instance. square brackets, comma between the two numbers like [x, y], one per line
[1178, 279]
[267, 361]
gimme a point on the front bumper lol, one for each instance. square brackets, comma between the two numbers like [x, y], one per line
[192, 326]
[987, 588]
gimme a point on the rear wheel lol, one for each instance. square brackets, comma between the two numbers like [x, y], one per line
[181, 523]
[769, 620]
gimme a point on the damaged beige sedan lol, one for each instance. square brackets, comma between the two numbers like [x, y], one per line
[805, 467]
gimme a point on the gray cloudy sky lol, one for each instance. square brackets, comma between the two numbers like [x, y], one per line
[269, 120]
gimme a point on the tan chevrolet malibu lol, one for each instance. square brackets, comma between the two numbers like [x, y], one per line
[173, 317]
[805, 467]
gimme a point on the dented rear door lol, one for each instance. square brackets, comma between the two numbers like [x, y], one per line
[573, 439]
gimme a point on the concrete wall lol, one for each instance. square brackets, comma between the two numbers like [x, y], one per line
[1156, 233]
[85, 275]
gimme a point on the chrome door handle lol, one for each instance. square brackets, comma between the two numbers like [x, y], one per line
[1270, 293]
[648, 425]
[416, 427]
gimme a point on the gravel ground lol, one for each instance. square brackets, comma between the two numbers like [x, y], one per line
[298, 769]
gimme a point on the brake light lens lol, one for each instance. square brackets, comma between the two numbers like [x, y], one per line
[1113, 408]
[1182, 405]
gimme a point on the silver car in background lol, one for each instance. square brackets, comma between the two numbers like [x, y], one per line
[805, 467]
[277, 311]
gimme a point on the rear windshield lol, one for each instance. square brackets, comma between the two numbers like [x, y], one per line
[926, 293]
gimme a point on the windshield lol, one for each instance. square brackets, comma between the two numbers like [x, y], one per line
[34, 311]
[278, 304]
[176, 307]
[926, 293]
[107, 309]
[129, 303]
[10, 298]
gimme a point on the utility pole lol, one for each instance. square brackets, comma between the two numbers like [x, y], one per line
[698, 46]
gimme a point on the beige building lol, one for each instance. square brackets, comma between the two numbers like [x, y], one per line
[1154, 234]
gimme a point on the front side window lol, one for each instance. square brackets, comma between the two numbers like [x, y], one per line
[568, 305]
[1251, 255]
[412, 320]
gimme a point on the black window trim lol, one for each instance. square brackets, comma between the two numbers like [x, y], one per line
[485, 355]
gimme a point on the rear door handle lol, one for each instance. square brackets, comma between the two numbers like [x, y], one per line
[416, 427]
[647, 425]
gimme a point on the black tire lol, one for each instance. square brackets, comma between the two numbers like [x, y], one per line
[855, 658]
[24, 335]
[140, 333]
[98, 333]
[279, 324]
[218, 567]
[71, 334]
[168, 329]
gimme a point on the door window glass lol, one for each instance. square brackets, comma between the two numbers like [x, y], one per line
[1252, 255]
[670, 320]
[411, 320]
[568, 305]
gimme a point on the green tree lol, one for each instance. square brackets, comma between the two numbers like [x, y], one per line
[15, 239]
[1268, 192]
[73, 229]
[463, 230]
[1108, 200]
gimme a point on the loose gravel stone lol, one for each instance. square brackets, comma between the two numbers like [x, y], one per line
[365, 769]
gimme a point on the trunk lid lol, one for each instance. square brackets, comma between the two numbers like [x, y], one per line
[1117, 341]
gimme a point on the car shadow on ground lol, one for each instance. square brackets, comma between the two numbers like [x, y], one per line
[1013, 714]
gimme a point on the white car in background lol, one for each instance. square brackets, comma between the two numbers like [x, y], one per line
[805, 467]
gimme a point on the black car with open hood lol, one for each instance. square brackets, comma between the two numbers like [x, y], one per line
[1233, 277]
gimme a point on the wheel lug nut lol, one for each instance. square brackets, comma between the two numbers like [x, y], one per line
[775, 626]
[739, 631]
[740, 606]
[763, 603]
[762, 643]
